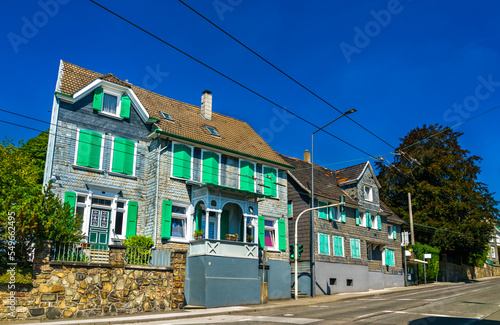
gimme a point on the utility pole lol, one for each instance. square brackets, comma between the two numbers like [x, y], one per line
[411, 220]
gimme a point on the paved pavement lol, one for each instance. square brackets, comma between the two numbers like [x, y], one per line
[288, 309]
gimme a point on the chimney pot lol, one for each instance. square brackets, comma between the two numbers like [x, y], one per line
[206, 105]
[307, 156]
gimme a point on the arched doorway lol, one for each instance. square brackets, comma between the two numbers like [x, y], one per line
[232, 221]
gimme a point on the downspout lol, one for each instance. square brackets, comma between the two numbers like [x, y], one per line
[160, 149]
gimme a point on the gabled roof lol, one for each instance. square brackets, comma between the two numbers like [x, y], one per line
[392, 217]
[236, 136]
[325, 183]
[353, 174]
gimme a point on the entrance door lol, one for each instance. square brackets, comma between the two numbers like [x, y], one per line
[99, 227]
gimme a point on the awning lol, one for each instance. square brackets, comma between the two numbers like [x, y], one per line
[232, 189]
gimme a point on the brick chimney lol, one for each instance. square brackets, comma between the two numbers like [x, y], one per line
[206, 105]
[307, 156]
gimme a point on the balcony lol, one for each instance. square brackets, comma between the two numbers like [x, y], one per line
[223, 248]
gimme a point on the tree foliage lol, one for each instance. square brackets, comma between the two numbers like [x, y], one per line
[458, 211]
[432, 268]
[38, 214]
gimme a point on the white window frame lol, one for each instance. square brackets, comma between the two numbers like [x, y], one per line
[276, 185]
[201, 163]
[359, 245]
[112, 152]
[343, 246]
[337, 215]
[390, 231]
[368, 196]
[118, 96]
[103, 137]
[274, 228]
[493, 252]
[254, 172]
[188, 222]
[172, 160]
[319, 246]
[374, 221]
[124, 221]
[362, 219]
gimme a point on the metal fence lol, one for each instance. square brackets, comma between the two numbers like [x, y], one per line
[147, 256]
[80, 252]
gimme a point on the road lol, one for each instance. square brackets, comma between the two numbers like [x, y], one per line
[461, 303]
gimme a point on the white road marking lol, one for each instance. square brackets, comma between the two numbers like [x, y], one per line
[221, 319]
[425, 314]
[366, 315]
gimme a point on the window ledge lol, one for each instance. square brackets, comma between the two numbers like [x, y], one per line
[117, 117]
[123, 175]
[88, 169]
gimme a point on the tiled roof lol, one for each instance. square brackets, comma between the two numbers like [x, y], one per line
[349, 173]
[235, 135]
[325, 183]
[392, 216]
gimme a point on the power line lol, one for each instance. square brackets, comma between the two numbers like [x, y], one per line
[283, 72]
[224, 75]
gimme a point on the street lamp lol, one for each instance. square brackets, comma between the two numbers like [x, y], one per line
[313, 275]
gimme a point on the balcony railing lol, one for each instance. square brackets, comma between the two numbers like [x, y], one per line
[79, 252]
[147, 256]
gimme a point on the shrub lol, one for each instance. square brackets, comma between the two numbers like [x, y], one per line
[138, 249]
[432, 268]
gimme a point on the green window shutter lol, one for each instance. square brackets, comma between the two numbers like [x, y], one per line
[166, 219]
[358, 220]
[246, 176]
[89, 149]
[123, 156]
[131, 219]
[322, 213]
[224, 224]
[290, 208]
[331, 213]
[125, 107]
[198, 216]
[210, 167]
[355, 248]
[128, 161]
[262, 234]
[379, 223]
[394, 232]
[70, 198]
[182, 161]
[95, 150]
[97, 102]
[343, 216]
[368, 217]
[337, 243]
[282, 234]
[322, 243]
[270, 181]
[358, 255]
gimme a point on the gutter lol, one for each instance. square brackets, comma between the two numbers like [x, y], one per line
[155, 221]
[222, 148]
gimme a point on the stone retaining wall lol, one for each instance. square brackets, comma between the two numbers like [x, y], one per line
[75, 289]
[449, 272]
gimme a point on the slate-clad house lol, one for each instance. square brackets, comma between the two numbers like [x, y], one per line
[135, 162]
[356, 249]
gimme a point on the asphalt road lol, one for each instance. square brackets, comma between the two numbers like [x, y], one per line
[462, 303]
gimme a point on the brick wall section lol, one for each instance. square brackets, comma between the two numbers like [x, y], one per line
[70, 289]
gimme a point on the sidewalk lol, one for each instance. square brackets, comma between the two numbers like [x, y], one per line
[191, 313]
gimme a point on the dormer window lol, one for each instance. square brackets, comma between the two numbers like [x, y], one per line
[111, 102]
[368, 193]
[212, 131]
[167, 116]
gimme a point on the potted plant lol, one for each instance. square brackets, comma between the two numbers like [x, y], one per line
[198, 234]
[250, 238]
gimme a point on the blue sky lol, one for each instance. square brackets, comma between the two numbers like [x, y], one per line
[400, 64]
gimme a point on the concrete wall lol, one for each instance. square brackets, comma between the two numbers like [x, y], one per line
[278, 286]
[341, 272]
[215, 281]
[378, 280]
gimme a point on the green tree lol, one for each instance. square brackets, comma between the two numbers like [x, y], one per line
[36, 149]
[458, 211]
[33, 212]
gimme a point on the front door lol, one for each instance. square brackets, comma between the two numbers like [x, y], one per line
[99, 226]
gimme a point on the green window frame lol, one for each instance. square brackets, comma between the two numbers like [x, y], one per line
[247, 176]
[181, 164]
[290, 209]
[338, 246]
[122, 107]
[210, 173]
[123, 161]
[88, 149]
[132, 211]
[270, 180]
[323, 244]
[355, 251]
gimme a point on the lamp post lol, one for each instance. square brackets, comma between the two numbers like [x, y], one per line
[311, 225]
